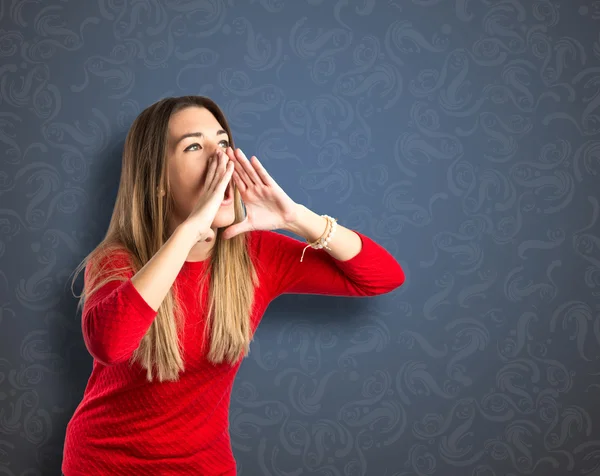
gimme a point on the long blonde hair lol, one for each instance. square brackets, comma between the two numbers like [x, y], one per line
[138, 226]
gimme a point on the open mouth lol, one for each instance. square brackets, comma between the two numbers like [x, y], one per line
[228, 195]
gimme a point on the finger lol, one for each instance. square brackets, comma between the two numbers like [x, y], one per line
[214, 165]
[230, 153]
[222, 160]
[236, 229]
[241, 172]
[226, 178]
[229, 171]
[210, 172]
[262, 172]
[239, 182]
[248, 167]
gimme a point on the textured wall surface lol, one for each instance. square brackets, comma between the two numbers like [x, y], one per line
[463, 135]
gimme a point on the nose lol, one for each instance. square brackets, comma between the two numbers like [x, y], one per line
[213, 148]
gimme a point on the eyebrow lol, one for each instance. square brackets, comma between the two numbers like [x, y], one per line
[197, 134]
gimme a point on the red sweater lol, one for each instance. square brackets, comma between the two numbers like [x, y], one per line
[126, 425]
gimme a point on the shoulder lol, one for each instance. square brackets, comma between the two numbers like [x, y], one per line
[110, 260]
[110, 256]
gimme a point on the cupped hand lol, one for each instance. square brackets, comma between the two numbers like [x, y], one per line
[268, 207]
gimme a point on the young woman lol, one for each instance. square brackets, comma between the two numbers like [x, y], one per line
[174, 292]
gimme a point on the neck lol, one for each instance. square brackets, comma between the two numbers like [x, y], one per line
[201, 250]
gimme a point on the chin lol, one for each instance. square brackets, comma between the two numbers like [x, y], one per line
[225, 217]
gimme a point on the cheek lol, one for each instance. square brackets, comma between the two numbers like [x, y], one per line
[199, 172]
[185, 190]
[190, 179]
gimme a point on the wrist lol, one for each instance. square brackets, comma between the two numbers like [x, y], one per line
[307, 224]
[188, 233]
[295, 225]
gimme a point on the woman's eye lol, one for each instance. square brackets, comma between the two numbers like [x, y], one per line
[194, 146]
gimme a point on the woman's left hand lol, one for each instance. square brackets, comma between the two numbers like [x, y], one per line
[268, 207]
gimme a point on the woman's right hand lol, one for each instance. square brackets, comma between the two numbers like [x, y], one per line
[218, 176]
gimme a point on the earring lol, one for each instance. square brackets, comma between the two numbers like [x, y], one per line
[161, 193]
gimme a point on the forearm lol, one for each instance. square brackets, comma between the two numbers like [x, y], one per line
[118, 316]
[344, 245]
[355, 265]
[156, 277]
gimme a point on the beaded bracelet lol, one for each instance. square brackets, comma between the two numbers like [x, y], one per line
[325, 238]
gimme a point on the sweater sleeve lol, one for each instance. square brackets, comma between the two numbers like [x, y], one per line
[115, 319]
[371, 272]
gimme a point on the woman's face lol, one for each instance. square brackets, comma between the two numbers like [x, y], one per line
[194, 135]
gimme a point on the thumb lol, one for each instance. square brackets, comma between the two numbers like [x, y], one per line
[236, 229]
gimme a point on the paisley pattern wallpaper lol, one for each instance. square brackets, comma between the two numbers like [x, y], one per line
[463, 135]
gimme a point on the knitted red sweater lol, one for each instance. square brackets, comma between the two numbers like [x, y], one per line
[127, 426]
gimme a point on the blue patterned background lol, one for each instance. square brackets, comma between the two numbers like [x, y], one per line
[464, 136]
